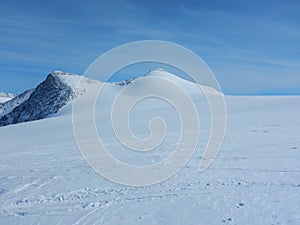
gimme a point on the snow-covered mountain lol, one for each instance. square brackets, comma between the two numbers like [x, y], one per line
[4, 97]
[47, 98]
[8, 106]
[61, 88]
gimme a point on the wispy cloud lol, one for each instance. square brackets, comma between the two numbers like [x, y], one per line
[239, 40]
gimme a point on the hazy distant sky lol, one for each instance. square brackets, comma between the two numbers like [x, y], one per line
[252, 46]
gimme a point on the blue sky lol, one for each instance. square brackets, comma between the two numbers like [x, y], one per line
[253, 47]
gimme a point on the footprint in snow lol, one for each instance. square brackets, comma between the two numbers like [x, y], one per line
[241, 204]
[21, 213]
[2, 191]
[228, 220]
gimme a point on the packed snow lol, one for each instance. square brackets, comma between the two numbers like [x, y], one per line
[255, 178]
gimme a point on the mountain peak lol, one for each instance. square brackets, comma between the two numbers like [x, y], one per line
[60, 88]
[150, 73]
[3, 94]
[62, 73]
[58, 72]
[156, 71]
[47, 98]
[159, 70]
[4, 97]
[69, 79]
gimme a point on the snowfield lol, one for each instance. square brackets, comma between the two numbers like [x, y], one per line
[254, 180]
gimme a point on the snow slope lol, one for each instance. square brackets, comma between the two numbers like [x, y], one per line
[254, 180]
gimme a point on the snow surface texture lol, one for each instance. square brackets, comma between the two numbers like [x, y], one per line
[254, 180]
